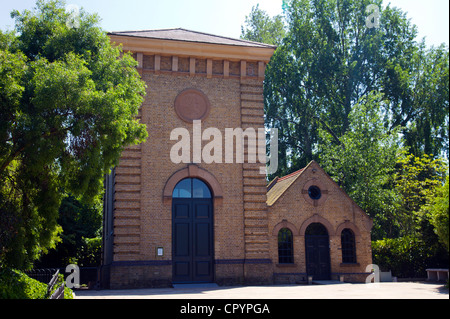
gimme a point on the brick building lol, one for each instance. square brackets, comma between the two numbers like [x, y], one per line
[187, 220]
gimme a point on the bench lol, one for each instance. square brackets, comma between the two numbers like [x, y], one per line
[436, 274]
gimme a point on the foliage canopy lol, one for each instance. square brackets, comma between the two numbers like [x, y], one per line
[68, 102]
[330, 59]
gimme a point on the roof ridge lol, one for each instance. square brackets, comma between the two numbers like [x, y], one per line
[229, 38]
[291, 175]
[146, 30]
[290, 180]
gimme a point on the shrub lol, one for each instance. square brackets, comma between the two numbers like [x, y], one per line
[17, 285]
[406, 257]
[89, 254]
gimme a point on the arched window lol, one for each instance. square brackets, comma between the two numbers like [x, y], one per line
[191, 188]
[348, 246]
[285, 247]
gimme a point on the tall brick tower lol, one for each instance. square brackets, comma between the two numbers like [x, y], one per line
[189, 221]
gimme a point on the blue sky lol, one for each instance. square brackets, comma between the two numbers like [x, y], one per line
[223, 17]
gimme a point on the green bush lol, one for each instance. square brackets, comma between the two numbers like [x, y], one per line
[407, 257]
[17, 285]
[68, 293]
[89, 254]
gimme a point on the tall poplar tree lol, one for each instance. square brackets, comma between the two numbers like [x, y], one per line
[335, 53]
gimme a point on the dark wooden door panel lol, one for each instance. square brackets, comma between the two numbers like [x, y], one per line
[193, 247]
[317, 257]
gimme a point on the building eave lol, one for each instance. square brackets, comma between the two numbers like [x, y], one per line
[192, 49]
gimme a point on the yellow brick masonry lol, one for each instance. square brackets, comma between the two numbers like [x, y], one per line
[245, 226]
[143, 220]
[294, 211]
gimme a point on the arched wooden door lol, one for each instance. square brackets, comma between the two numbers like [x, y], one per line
[192, 232]
[317, 245]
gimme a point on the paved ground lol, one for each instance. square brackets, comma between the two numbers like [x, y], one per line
[397, 290]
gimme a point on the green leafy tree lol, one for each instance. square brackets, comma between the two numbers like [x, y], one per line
[260, 27]
[330, 59]
[438, 213]
[416, 181]
[421, 213]
[407, 257]
[419, 245]
[363, 161]
[418, 91]
[68, 102]
[81, 224]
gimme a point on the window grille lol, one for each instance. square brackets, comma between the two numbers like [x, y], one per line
[348, 246]
[285, 247]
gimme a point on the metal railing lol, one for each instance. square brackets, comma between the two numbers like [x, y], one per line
[48, 276]
[59, 292]
[89, 276]
[42, 275]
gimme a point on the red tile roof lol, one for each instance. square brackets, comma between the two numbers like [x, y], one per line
[278, 186]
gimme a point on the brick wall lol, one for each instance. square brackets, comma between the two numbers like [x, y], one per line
[294, 211]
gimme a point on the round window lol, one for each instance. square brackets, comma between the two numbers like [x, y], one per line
[314, 192]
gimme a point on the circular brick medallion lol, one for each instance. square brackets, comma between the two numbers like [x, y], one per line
[192, 105]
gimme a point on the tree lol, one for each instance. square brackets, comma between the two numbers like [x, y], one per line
[68, 105]
[260, 27]
[80, 223]
[418, 90]
[416, 181]
[422, 218]
[330, 59]
[438, 213]
[363, 161]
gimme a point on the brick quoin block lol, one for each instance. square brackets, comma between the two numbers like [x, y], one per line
[247, 213]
